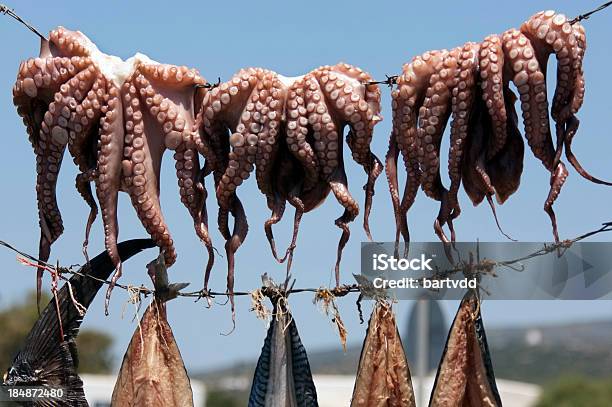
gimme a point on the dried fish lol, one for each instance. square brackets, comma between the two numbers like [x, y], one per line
[383, 376]
[152, 373]
[45, 359]
[282, 376]
[465, 376]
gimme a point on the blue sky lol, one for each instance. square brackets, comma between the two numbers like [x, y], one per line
[219, 38]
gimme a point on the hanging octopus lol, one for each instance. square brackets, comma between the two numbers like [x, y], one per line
[469, 85]
[289, 131]
[117, 118]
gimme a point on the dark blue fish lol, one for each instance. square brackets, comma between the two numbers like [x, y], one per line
[282, 376]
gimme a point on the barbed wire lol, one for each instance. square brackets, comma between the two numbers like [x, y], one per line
[9, 12]
[389, 81]
[392, 79]
[471, 267]
[586, 16]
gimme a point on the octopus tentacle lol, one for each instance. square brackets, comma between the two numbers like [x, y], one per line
[391, 173]
[579, 85]
[303, 109]
[269, 116]
[238, 236]
[49, 150]
[326, 132]
[83, 186]
[277, 205]
[53, 138]
[339, 187]
[357, 105]
[193, 195]
[412, 86]
[491, 70]
[434, 115]
[329, 154]
[530, 82]
[84, 121]
[167, 92]
[300, 208]
[109, 166]
[571, 126]
[209, 140]
[462, 103]
[244, 141]
[552, 33]
[141, 168]
[557, 180]
[366, 99]
[267, 151]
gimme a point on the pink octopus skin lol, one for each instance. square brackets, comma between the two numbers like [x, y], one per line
[491, 71]
[159, 114]
[486, 151]
[265, 113]
[70, 96]
[463, 95]
[58, 95]
[553, 33]
[406, 101]
[348, 102]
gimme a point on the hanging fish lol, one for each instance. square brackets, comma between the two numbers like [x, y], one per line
[282, 376]
[46, 358]
[465, 376]
[152, 373]
[383, 376]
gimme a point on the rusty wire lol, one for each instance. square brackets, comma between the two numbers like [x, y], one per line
[470, 267]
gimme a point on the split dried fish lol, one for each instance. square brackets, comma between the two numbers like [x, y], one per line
[383, 376]
[465, 376]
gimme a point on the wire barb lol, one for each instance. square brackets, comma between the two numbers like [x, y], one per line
[9, 12]
[209, 85]
[480, 267]
[390, 81]
[586, 16]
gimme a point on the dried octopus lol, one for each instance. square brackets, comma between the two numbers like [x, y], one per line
[289, 130]
[117, 119]
[471, 84]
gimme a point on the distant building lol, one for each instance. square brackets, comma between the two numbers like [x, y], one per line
[436, 335]
[99, 389]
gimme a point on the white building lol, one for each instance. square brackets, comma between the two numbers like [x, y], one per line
[336, 390]
[99, 389]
